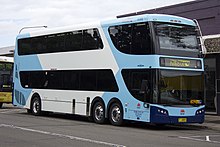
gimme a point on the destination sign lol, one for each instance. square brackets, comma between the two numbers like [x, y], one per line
[180, 63]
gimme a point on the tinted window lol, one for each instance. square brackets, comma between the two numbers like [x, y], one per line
[71, 80]
[76, 44]
[105, 81]
[88, 80]
[91, 80]
[33, 79]
[91, 39]
[55, 43]
[54, 79]
[132, 38]
[180, 87]
[176, 37]
[139, 82]
[63, 42]
[24, 46]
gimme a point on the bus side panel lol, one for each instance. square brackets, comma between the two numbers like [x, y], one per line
[62, 107]
[133, 109]
[67, 101]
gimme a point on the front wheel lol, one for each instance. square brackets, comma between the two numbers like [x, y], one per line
[36, 106]
[116, 114]
[1, 105]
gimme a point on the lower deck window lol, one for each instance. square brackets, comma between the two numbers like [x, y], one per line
[91, 80]
[140, 83]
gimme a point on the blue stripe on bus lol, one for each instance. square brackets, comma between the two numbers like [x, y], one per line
[20, 94]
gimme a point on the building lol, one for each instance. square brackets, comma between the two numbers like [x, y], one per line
[207, 13]
[7, 51]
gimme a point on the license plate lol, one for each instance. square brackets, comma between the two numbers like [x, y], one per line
[182, 120]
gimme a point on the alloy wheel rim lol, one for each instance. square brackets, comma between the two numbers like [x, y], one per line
[99, 112]
[116, 114]
[36, 106]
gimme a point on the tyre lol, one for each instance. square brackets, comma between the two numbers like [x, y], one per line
[1, 105]
[98, 113]
[116, 114]
[36, 106]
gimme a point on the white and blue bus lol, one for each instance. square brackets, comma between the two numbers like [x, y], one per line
[146, 68]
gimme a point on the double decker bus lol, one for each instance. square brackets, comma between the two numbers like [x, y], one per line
[146, 68]
[6, 69]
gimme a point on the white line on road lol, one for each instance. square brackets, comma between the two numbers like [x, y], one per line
[61, 135]
[196, 138]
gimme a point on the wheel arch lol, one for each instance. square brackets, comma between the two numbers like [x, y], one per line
[32, 97]
[95, 100]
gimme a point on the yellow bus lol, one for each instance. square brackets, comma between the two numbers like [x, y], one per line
[6, 70]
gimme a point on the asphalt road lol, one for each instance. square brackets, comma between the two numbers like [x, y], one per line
[19, 129]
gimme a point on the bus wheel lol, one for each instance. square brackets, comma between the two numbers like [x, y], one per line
[1, 105]
[116, 114]
[99, 113]
[36, 106]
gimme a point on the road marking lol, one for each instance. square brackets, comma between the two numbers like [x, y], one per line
[207, 138]
[197, 138]
[62, 135]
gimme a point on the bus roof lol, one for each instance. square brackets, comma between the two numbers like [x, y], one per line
[150, 17]
[47, 31]
[116, 21]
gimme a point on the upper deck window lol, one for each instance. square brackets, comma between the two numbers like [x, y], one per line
[175, 39]
[79, 40]
[132, 38]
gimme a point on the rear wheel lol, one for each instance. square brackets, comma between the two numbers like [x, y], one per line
[1, 105]
[98, 113]
[36, 106]
[116, 114]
